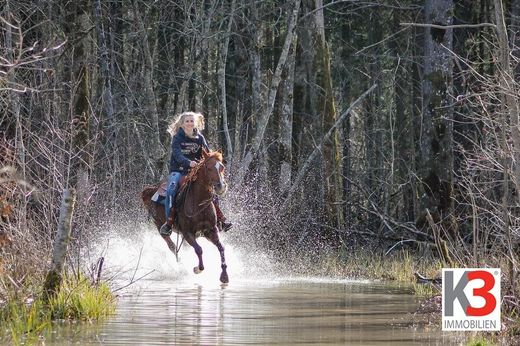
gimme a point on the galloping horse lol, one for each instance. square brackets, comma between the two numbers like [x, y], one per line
[196, 215]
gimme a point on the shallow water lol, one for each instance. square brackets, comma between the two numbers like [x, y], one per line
[293, 311]
[257, 307]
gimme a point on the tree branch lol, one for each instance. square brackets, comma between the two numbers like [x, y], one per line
[303, 170]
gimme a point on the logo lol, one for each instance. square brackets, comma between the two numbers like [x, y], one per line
[470, 299]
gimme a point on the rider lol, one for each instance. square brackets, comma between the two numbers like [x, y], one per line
[187, 145]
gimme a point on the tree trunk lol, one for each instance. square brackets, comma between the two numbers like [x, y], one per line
[222, 81]
[108, 103]
[156, 150]
[256, 78]
[437, 123]
[510, 112]
[268, 109]
[75, 27]
[327, 108]
[374, 124]
[286, 121]
[61, 242]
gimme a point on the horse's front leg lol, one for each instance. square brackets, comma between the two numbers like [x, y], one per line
[190, 239]
[159, 219]
[214, 238]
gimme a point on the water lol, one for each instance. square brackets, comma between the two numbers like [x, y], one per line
[258, 307]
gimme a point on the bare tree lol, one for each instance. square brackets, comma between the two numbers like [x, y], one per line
[77, 20]
[261, 124]
[222, 78]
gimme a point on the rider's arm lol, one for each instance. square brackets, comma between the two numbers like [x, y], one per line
[177, 153]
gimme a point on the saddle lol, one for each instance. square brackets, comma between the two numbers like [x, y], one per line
[160, 194]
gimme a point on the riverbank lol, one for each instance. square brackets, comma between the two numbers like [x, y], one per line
[25, 316]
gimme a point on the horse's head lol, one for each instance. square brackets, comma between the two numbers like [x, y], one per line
[213, 168]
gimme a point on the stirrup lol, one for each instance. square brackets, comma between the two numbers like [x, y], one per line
[225, 226]
[165, 229]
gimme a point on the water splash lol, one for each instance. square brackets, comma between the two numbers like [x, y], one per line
[133, 249]
[130, 256]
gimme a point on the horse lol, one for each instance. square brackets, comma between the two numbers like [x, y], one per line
[195, 213]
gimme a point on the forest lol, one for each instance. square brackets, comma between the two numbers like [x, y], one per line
[345, 124]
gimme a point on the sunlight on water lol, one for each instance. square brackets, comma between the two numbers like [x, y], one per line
[146, 254]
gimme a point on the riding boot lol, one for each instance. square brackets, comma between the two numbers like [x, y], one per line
[166, 228]
[221, 219]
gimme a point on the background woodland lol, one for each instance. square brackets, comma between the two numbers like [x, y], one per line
[343, 122]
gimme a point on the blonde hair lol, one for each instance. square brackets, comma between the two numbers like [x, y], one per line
[176, 124]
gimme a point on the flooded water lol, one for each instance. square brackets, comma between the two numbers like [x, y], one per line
[258, 307]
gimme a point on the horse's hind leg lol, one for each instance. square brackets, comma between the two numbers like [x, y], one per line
[214, 238]
[170, 244]
[190, 239]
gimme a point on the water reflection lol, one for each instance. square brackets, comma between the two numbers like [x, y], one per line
[253, 312]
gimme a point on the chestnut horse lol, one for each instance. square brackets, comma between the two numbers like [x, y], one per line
[195, 212]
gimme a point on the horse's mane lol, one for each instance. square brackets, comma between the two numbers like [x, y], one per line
[192, 176]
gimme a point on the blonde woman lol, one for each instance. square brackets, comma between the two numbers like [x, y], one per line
[187, 145]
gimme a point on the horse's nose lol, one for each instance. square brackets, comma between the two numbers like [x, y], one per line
[220, 188]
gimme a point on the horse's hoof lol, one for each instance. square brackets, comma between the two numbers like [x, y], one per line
[224, 278]
[197, 270]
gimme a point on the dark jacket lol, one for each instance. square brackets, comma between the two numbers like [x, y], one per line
[186, 149]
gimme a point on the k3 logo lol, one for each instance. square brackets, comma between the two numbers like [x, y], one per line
[470, 299]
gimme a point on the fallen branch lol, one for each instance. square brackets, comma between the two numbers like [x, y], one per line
[407, 226]
[454, 26]
[134, 281]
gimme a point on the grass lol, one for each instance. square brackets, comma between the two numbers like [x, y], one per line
[81, 301]
[399, 267]
[24, 321]
[479, 340]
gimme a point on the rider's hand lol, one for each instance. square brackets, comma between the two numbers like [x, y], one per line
[193, 164]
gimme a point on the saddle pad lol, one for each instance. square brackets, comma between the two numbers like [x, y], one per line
[158, 199]
[163, 185]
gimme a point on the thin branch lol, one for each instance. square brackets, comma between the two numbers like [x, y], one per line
[454, 26]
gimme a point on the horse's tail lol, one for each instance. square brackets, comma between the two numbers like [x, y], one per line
[146, 198]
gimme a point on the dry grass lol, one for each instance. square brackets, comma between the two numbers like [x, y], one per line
[399, 267]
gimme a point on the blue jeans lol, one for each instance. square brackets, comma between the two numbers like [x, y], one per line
[171, 190]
